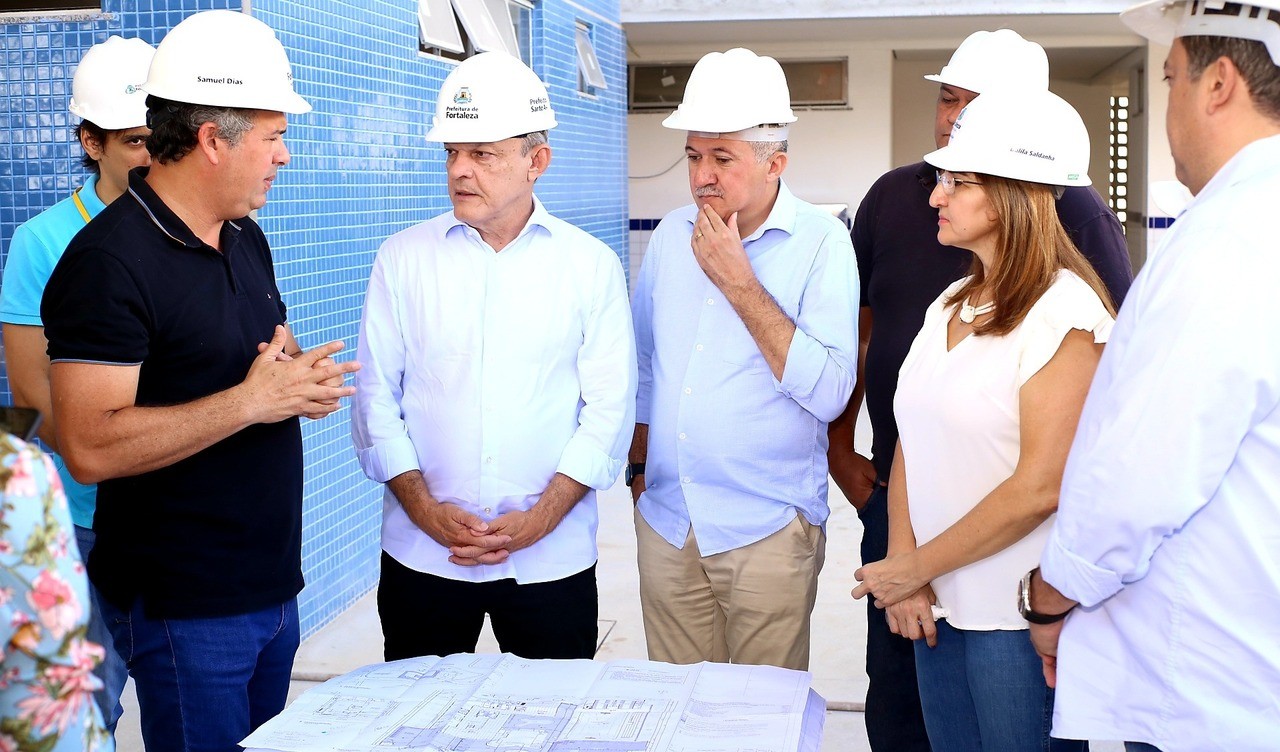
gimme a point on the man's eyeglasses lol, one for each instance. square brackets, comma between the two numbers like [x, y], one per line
[949, 182]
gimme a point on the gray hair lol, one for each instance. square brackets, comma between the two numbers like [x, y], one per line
[531, 141]
[174, 126]
[766, 149]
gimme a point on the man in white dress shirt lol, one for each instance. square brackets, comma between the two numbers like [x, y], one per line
[1168, 529]
[497, 391]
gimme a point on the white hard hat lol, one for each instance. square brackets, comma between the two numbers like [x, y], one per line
[106, 89]
[730, 92]
[223, 58]
[1164, 20]
[1022, 135]
[491, 97]
[990, 59]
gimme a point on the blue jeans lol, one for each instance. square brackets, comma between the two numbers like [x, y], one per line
[985, 692]
[112, 670]
[893, 716]
[204, 684]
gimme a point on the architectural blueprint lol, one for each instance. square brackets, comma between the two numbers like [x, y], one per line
[501, 703]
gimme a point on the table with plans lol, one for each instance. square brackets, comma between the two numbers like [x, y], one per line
[502, 703]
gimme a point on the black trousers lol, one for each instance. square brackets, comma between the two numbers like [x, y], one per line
[423, 614]
[895, 722]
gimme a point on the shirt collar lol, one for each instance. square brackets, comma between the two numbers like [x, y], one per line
[781, 217]
[89, 196]
[1254, 159]
[165, 219]
[540, 218]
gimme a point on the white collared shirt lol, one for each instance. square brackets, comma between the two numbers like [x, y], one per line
[491, 372]
[1168, 530]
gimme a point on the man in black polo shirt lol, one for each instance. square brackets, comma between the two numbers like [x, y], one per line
[903, 269]
[177, 387]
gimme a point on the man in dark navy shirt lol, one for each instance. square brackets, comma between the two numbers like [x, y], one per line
[177, 386]
[903, 268]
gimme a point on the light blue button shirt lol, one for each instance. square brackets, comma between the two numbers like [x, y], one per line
[36, 246]
[733, 451]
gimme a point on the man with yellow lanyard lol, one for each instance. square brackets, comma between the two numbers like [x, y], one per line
[113, 132]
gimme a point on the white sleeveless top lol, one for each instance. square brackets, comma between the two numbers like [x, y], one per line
[958, 420]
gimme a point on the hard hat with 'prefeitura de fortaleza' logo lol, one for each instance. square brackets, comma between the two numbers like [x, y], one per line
[732, 94]
[1034, 136]
[107, 88]
[222, 58]
[1164, 20]
[490, 97]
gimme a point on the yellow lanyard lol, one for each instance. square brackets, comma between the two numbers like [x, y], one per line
[80, 205]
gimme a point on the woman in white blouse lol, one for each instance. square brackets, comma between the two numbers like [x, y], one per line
[987, 404]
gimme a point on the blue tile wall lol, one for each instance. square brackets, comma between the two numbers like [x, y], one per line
[361, 170]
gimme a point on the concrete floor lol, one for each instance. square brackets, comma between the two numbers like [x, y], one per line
[839, 628]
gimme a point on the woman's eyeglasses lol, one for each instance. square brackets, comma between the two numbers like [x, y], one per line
[949, 182]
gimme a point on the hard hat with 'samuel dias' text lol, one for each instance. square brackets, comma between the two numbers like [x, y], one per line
[1021, 135]
[490, 97]
[735, 91]
[222, 58]
[107, 88]
[987, 60]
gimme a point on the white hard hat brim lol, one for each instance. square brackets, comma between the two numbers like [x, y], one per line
[462, 133]
[942, 78]
[287, 102]
[957, 158]
[1156, 20]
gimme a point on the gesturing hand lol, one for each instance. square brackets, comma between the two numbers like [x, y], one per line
[280, 387]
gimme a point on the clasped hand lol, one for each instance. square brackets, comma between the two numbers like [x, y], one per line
[472, 541]
[892, 580]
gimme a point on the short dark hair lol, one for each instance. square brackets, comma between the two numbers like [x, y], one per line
[1250, 57]
[174, 126]
[97, 134]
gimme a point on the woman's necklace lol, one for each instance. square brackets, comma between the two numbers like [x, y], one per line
[968, 313]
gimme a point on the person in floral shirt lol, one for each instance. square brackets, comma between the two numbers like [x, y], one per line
[46, 663]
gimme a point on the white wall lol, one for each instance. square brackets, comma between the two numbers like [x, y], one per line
[835, 155]
[1159, 160]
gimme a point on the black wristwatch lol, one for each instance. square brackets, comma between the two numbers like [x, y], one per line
[1024, 603]
[629, 475]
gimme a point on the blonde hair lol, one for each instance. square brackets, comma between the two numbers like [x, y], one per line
[1031, 246]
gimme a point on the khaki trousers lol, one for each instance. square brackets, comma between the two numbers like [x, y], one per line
[752, 605]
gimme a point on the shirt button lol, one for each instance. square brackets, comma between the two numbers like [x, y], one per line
[488, 510]
[683, 436]
[488, 460]
[698, 348]
[687, 390]
[711, 301]
[686, 479]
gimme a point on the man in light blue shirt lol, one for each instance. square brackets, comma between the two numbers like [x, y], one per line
[113, 133]
[745, 316]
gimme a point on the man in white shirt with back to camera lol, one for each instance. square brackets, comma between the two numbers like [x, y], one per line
[1168, 530]
[497, 391]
